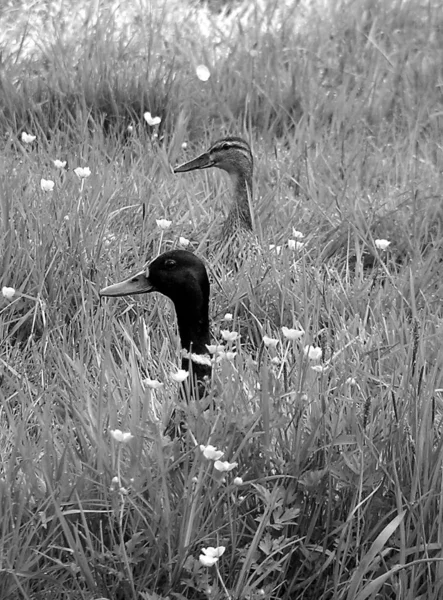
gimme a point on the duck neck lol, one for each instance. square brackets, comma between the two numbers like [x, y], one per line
[240, 212]
[193, 326]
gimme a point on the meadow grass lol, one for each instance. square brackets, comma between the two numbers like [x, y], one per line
[338, 484]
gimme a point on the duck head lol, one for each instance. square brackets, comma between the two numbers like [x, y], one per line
[181, 276]
[231, 154]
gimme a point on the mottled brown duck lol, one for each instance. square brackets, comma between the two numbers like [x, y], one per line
[236, 240]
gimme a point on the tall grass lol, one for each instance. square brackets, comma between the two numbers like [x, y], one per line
[340, 458]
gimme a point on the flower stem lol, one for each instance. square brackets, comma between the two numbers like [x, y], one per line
[228, 596]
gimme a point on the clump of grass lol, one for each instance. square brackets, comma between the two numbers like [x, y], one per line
[339, 456]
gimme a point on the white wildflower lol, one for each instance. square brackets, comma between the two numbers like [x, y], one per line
[82, 172]
[229, 336]
[295, 245]
[47, 185]
[382, 244]
[163, 223]
[210, 452]
[207, 561]
[276, 249]
[154, 384]
[59, 164]
[214, 348]
[313, 352]
[320, 368]
[27, 138]
[150, 120]
[270, 342]
[226, 355]
[210, 556]
[121, 436]
[292, 334]
[8, 292]
[224, 466]
[179, 376]
[203, 73]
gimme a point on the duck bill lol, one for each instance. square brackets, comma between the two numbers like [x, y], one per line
[203, 161]
[137, 284]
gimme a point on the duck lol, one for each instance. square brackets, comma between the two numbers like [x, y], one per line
[237, 240]
[181, 276]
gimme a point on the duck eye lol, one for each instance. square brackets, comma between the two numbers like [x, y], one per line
[170, 263]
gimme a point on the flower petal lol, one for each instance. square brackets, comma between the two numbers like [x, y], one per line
[163, 223]
[207, 561]
[27, 138]
[203, 72]
[179, 376]
[8, 292]
[150, 120]
[224, 466]
[292, 334]
[47, 185]
[313, 352]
